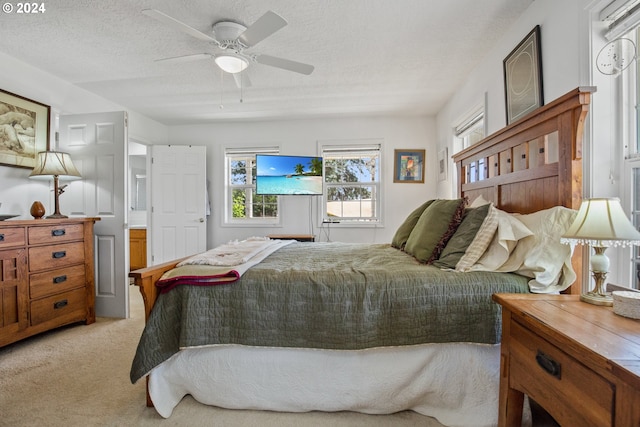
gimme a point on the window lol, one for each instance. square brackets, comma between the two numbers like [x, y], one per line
[635, 216]
[242, 204]
[631, 113]
[471, 130]
[351, 184]
[623, 20]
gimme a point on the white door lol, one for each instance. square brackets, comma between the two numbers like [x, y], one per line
[97, 145]
[178, 201]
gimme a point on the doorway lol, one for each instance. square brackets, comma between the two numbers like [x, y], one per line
[139, 200]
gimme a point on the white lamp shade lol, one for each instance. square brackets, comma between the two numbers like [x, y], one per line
[54, 163]
[602, 222]
[231, 63]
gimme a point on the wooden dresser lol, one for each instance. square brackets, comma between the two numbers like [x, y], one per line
[581, 362]
[46, 275]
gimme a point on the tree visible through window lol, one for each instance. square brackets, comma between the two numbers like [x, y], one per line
[244, 205]
[352, 183]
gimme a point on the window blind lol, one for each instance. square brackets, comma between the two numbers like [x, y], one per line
[622, 16]
[245, 151]
[465, 126]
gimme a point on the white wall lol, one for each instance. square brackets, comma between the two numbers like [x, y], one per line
[571, 37]
[564, 40]
[299, 137]
[17, 192]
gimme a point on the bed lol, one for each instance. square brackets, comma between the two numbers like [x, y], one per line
[385, 327]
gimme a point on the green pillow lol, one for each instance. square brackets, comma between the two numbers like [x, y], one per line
[463, 237]
[402, 233]
[434, 228]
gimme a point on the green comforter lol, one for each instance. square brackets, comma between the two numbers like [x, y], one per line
[332, 296]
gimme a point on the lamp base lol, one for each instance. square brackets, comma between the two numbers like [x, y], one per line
[56, 216]
[597, 299]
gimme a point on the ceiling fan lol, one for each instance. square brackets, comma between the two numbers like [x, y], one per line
[233, 39]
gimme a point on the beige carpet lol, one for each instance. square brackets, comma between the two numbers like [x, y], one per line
[79, 376]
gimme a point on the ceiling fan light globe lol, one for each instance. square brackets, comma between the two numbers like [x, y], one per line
[231, 64]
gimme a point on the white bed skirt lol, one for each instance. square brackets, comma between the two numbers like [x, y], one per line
[455, 383]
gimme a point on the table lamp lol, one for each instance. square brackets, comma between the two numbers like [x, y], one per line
[601, 223]
[58, 165]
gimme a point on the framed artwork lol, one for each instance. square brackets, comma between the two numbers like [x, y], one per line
[442, 165]
[24, 130]
[408, 166]
[523, 77]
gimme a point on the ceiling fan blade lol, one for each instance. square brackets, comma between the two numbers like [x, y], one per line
[266, 25]
[166, 19]
[242, 80]
[285, 64]
[186, 58]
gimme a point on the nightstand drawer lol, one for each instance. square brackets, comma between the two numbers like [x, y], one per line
[10, 237]
[563, 386]
[56, 281]
[56, 256]
[56, 233]
[63, 306]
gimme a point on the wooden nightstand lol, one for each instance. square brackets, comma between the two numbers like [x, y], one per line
[579, 361]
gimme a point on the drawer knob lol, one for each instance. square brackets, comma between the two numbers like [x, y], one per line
[60, 279]
[58, 232]
[59, 254]
[60, 304]
[547, 363]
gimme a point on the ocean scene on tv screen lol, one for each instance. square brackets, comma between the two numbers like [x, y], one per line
[297, 175]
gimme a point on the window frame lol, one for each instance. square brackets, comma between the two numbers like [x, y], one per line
[234, 153]
[361, 146]
[473, 123]
[625, 95]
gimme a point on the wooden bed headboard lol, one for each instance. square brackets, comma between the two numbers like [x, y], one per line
[534, 163]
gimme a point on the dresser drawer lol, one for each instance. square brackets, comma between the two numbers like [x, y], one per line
[55, 233]
[12, 236]
[562, 385]
[56, 281]
[55, 256]
[64, 306]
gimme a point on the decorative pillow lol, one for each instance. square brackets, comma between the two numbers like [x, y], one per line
[504, 241]
[402, 233]
[434, 228]
[541, 256]
[462, 241]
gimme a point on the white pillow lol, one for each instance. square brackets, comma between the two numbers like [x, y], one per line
[481, 241]
[541, 256]
[509, 232]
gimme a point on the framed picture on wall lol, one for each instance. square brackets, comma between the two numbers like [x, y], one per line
[523, 77]
[408, 166]
[24, 130]
[442, 164]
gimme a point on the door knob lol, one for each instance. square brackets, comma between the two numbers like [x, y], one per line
[201, 219]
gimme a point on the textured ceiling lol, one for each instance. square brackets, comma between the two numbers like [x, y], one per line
[370, 56]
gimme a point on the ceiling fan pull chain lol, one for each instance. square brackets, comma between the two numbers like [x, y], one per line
[221, 88]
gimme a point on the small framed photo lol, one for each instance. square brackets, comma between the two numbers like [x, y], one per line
[24, 130]
[523, 77]
[442, 165]
[408, 166]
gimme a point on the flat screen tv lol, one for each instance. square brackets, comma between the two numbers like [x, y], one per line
[288, 175]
